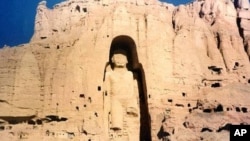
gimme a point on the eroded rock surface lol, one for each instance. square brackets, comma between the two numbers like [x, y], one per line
[189, 66]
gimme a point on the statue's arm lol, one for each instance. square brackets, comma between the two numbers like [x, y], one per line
[106, 103]
[106, 92]
[136, 89]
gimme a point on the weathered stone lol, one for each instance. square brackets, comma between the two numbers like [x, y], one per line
[245, 14]
[245, 24]
[243, 4]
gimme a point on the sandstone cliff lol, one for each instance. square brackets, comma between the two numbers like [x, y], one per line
[192, 63]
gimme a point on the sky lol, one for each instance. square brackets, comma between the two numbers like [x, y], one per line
[17, 19]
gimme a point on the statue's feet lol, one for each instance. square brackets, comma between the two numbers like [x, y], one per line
[132, 111]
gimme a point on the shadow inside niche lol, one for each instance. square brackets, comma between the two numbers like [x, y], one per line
[163, 135]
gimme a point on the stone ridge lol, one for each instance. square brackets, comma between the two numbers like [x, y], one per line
[191, 65]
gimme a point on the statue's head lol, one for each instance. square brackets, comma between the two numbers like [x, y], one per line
[119, 58]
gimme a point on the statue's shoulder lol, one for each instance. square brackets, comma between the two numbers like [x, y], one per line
[129, 73]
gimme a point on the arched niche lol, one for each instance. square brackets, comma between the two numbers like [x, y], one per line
[127, 43]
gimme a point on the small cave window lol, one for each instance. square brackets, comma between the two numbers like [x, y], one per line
[96, 114]
[190, 110]
[170, 100]
[216, 85]
[237, 64]
[82, 96]
[39, 122]
[207, 110]
[237, 109]
[244, 109]
[215, 69]
[78, 8]
[219, 108]
[99, 88]
[183, 94]
[84, 10]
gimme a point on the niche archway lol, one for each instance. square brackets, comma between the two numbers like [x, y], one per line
[127, 43]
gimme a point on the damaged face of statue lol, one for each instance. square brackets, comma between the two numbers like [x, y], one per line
[119, 60]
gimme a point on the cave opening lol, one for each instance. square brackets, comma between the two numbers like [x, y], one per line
[127, 44]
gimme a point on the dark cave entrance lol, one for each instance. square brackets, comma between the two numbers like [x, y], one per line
[127, 43]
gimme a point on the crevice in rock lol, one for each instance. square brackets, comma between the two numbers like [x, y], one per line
[205, 129]
[179, 105]
[238, 21]
[51, 118]
[225, 127]
[17, 120]
[185, 124]
[218, 40]
[43, 37]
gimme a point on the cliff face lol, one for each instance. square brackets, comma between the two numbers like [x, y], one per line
[191, 65]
